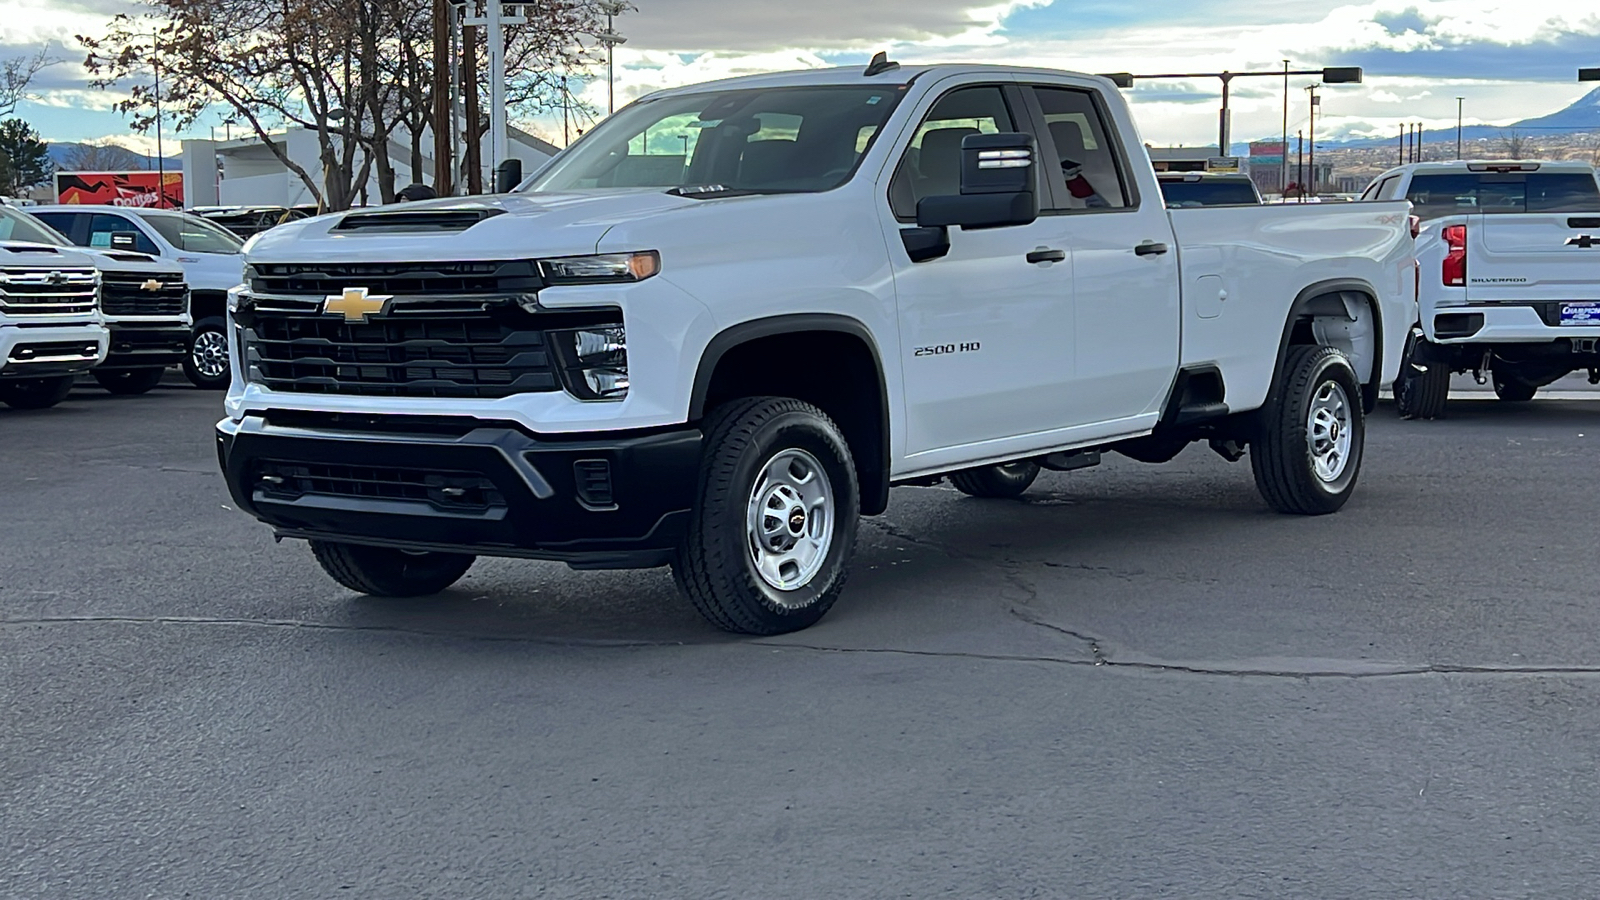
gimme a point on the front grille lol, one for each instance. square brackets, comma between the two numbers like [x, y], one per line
[47, 292]
[444, 489]
[132, 294]
[417, 356]
[397, 279]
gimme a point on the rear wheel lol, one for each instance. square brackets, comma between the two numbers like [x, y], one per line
[36, 393]
[1307, 452]
[206, 363]
[1004, 480]
[128, 381]
[1421, 390]
[1512, 390]
[774, 523]
[386, 572]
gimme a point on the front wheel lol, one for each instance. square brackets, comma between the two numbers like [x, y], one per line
[36, 393]
[774, 522]
[385, 572]
[1512, 390]
[1307, 451]
[129, 381]
[1001, 481]
[206, 363]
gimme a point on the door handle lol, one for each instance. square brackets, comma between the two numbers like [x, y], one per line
[1044, 255]
[1150, 248]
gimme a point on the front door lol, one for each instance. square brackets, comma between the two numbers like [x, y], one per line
[986, 334]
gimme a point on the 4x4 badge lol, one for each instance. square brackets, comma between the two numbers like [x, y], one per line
[355, 304]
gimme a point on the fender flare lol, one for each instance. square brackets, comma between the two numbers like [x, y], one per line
[771, 326]
[1334, 286]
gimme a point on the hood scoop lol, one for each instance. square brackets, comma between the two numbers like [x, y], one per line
[131, 257]
[29, 248]
[428, 221]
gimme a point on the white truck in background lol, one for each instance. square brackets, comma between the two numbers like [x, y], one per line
[50, 326]
[723, 324]
[1509, 277]
[144, 302]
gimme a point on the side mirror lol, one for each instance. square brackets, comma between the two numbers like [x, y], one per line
[124, 240]
[999, 185]
[507, 175]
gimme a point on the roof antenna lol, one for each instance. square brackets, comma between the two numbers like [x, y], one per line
[880, 64]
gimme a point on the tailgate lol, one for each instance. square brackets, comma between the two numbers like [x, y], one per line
[1530, 257]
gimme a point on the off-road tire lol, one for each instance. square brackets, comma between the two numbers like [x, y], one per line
[1511, 390]
[714, 566]
[1421, 391]
[1281, 452]
[129, 381]
[998, 481]
[386, 572]
[206, 332]
[36, 393]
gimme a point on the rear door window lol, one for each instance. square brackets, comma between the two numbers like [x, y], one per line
[1503, 193]
[1094, 173]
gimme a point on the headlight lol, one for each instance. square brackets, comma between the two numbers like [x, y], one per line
[606, 268]
[596, 361]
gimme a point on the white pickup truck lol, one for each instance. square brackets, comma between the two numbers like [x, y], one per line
[720, 327]
[50, 325]
[1509, 284]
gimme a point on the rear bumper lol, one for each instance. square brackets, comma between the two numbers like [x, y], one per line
[1501, 324]
[485, 488]
[29, 352]
[147, 345]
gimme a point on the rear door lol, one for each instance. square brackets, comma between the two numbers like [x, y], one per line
[1124, 258]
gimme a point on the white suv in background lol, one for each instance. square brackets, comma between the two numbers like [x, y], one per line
[209, 254]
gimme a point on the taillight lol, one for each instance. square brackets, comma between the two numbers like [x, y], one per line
[1455, 262]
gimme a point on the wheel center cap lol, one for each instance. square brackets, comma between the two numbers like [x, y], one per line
[1333, 431]
[797, 521]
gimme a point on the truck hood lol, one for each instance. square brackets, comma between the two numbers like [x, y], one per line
[42, 256]
[113, 261]
[507, 226]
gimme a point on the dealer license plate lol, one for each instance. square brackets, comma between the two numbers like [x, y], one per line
[1580, 314]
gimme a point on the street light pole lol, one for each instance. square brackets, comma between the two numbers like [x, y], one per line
[1458, 126]
[1311, 133]
[612, 9]
[1283, 171]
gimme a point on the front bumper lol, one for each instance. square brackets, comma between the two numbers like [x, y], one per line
[42, 351]
[1501, 324]
[138, 345]
[465, 486]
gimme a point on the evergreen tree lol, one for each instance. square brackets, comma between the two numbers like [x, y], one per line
[24, 158]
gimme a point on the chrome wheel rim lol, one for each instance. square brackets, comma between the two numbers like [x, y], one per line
[211, 354]
[1328, 426]
[789, 522]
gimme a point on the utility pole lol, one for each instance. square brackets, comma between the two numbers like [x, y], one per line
[1312, 129]
[1283, 162]
[473, 151]
[612, 9]
[1300, 164]
[1402, 145]
[443, 152]
[1458, 126]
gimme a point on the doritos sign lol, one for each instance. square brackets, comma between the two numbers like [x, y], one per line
[120, 189]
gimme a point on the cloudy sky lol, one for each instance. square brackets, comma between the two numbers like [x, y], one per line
[1510, 60]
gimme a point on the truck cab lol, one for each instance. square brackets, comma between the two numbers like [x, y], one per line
[210, 257]
[722, 326]
[1507, 251]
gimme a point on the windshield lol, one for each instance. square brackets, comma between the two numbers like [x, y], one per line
[194, 234]
[1181, 194]
[1460, 193]
[19, 226]
[758, 140]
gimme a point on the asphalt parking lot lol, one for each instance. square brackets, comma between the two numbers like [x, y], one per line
[1137, 682]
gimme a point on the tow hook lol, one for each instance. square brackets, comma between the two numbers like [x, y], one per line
[1230, 449]
[1478, 373]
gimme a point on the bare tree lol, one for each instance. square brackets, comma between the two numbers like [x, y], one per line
[1515, 143]
[102, 156]
[16, 74]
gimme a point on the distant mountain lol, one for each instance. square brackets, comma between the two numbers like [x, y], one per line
[60, 152]
[1582, 116]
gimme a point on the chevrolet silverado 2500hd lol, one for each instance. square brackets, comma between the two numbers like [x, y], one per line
[1509, 283]
[720, 327]
[50, 326]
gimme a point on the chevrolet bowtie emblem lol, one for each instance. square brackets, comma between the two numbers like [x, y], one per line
[151, 285]
[354, 304]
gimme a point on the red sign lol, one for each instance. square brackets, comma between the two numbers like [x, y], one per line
[120, 189]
